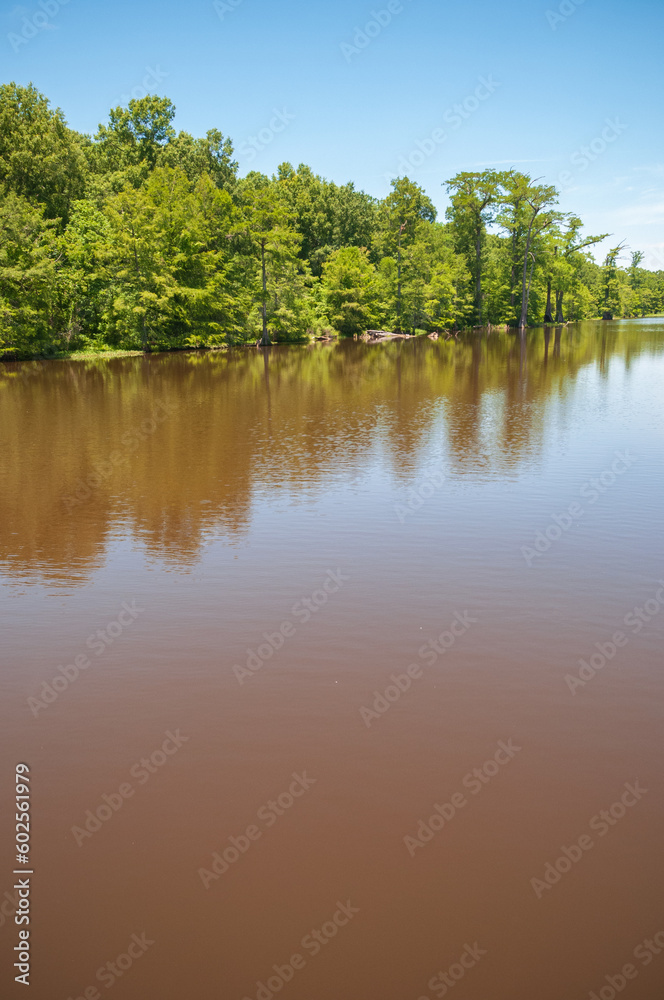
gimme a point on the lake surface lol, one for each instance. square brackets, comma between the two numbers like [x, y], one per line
[317, 592]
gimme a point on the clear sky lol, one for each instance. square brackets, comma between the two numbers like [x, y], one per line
[571, 92]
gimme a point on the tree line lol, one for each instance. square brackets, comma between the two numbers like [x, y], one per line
[144, 238]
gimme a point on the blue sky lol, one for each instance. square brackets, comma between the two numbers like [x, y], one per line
[571, 92]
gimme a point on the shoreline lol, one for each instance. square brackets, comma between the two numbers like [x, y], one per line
[111, 355]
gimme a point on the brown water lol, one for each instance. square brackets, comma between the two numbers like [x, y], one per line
[354, 499]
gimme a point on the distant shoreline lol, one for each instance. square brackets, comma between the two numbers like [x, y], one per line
[111, 355]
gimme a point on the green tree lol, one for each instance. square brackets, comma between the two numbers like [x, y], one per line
[136, 134]
[636, 284]
[403, 218]
[28, 279]
[268, 234]
[449, 292]
[349, 283]
[325, 215]
[169, 261]
[86, 251]
[531, 212]
[612, 291]
[40, 157]
[141, 237]
[212, 155]
[570, 251]
[474, 197]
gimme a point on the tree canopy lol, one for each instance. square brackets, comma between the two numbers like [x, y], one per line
[142, 237]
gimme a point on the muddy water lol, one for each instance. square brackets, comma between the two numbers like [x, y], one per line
[292, 643]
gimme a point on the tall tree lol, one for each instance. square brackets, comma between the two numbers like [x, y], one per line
[611, 283]
[473, 200]
[28, 279]
[403, 218]
[136, 134]
[569, 251]
[268, 231]
[636, 283]
[536, 202]
[512, 219]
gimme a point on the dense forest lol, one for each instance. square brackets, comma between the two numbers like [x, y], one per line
[142, 238]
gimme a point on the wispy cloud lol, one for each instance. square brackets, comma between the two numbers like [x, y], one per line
[643, 214]
[656, 169]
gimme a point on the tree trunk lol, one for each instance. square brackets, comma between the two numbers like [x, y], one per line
[530, 279]
[144, 333]
[513, 269]
[398, 330]
[548, 316]
[513, 275]
[478, 283]
[560, 318]
[265, 339]
[526, 284]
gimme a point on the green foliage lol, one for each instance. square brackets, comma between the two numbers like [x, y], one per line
[40, 158]
[28, 279]
[474, 197]
[135, 134]
[326, 216]
[211, 155]
[612, 284]
[351, 290]
[144, 238]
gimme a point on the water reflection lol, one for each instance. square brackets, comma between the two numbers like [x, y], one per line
[176, 448]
